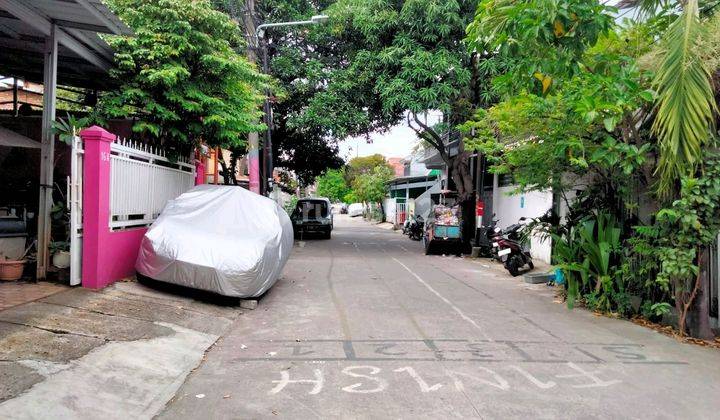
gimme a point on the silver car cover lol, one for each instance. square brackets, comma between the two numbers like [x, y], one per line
[223, 239]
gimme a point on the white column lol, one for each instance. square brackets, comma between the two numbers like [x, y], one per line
[495, 194]
[47, 151]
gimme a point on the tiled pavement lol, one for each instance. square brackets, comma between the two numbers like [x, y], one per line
[17, 293]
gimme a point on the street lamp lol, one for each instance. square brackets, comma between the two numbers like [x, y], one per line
[267, 107]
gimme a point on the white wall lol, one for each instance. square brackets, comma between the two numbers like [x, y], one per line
[509, 208]
[389, 207]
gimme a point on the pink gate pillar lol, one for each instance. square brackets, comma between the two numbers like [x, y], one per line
[107, 256]
[199, 171]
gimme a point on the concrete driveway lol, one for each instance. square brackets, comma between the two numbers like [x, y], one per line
[365, 326]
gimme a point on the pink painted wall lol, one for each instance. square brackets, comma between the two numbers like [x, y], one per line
[107, 256]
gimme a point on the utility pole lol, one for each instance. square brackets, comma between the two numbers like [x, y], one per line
[267, 141]
[253, 138]
[258, 33]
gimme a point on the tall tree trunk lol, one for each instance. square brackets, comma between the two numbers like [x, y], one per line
[684, 301]
[462, 176]
[700, 309]
[225, 172]
[458, 169]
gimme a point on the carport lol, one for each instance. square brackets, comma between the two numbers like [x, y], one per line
[51, 42]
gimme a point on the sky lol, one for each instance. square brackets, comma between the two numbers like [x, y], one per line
[398, 141]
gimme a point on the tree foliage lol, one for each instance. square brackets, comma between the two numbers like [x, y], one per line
[332, 185]
[363, 165]
[606, 112]
[299, 58]
[542, 42]
[682, 233]
[181, 75]
[396, 60]
[686, 103]
[372, 187]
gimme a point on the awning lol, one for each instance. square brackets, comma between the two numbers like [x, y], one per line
[55, 42]
[12, 139]
[83, 57]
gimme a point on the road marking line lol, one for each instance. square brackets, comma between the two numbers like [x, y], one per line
[444, 299]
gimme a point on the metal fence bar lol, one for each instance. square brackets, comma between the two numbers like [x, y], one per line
[400, 213]
[142, 182]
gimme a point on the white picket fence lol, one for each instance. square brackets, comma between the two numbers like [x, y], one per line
[142, 180]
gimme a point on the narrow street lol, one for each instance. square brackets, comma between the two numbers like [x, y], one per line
[365, 326]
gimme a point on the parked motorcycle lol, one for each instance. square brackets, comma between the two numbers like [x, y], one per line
[414, 227]
[406, 226]
[487, 236]
[510, 249]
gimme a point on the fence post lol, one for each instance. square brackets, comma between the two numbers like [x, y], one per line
[96, 204]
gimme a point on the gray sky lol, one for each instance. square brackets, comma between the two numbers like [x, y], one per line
[396, 142]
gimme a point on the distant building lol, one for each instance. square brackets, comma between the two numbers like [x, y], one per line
[16, 92]
[397, 165]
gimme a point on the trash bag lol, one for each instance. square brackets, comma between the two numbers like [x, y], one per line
[222, 239]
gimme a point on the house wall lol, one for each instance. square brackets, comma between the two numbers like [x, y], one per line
[509, 207]
[389, 207]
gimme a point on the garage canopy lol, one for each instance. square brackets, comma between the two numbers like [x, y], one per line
[55, 42]
[10, 138]
[83, 56]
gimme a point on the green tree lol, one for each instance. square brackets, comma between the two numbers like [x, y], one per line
[684, 118]
[578, 108]
[332, 185]
[363, 165]
[574, 98]
[299, 58]
[541, 42]
[372, 187]
[181, 76]
[399, 60]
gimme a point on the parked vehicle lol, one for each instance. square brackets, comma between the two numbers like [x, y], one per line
[486, 236]
[222, 239]
[510, 249]
[414, 227]
[339, 208]
[355, 209]
[442, 229]
[312, 215]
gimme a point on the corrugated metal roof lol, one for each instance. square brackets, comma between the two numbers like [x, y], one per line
[84, 57]
[90, 15]
[10, 138]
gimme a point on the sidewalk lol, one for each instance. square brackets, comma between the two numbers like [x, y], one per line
[117, 353]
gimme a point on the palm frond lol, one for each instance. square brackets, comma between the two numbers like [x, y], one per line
[646, 7]
[685, 103]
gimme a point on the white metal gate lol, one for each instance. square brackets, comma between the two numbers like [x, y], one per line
[74, 204]
[400, 213]
[142, 181]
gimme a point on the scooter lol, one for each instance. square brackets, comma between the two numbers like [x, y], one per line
[487, 236]
[415, 228]
[510, 251]
[406, 226]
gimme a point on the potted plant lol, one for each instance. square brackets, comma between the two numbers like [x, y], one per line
[60, 251]
[60, 246]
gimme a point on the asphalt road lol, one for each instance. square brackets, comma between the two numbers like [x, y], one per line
[365, 326]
